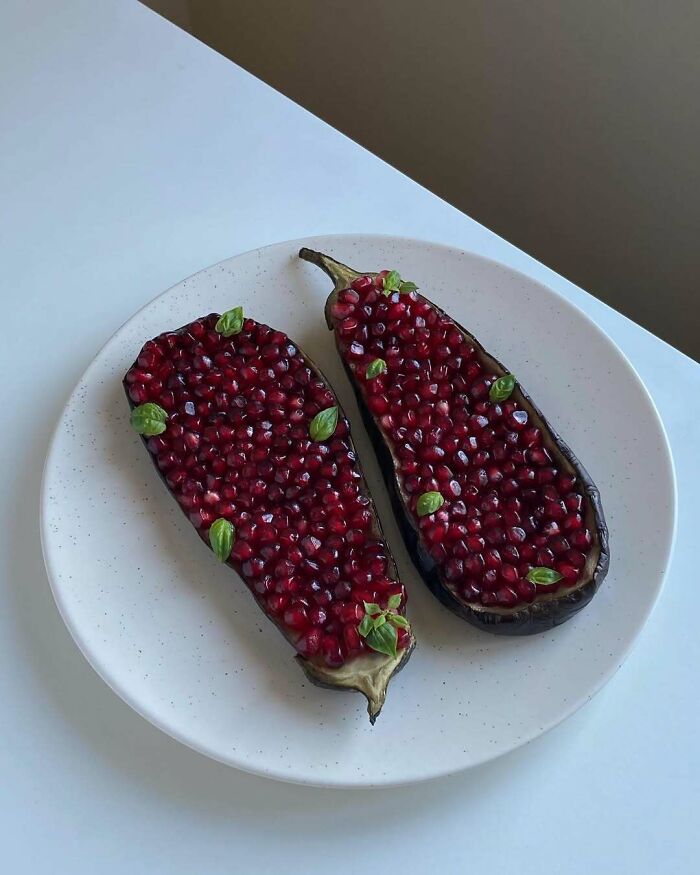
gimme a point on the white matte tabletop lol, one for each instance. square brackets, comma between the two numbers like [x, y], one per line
[131, 156]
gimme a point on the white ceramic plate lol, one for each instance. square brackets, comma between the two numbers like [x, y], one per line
[179, 637]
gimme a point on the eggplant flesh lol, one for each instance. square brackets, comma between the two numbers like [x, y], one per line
[547, 610]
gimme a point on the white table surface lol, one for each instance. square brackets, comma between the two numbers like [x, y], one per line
[131, 156]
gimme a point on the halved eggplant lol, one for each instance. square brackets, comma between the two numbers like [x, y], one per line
[250, 440]
[502, 520]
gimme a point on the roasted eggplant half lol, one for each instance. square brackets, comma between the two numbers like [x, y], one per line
[251, 441]
[500, 517]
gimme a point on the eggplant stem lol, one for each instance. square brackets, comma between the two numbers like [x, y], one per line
[341, 274]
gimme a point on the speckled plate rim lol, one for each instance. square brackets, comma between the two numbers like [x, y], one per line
[190, 740]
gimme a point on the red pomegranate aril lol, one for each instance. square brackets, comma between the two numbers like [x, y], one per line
[341, 310]
[572, 522]
[539, 456]
[568, 571]
[267, 534]
[332, 653]
[555, 510]
[263, 585]
[475, 543]
[509, 573]
[318, 615]
[551, 529]
[454, 569]
[509, 553]
[494, 536]
[565, 483]
[527, 552]
[526, 590]
[351, 638]
[575, 558]
[507, 597]
[473, 564]
[558, 545]
[510, 487]
[545, 557]
[296, 617]
[351, 613]
[573, 502]
[309, 643]
[276, 603]
[581, 539]
[490, 579]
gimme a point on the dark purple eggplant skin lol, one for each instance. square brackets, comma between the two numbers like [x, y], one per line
[545, 612]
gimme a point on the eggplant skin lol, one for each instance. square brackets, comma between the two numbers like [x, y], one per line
[532, 618]
[538, 616]
[374, 706]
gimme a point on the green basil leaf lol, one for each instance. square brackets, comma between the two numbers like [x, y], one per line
[365, 626]
[375, 368]
[372, 609]
[222, 534]
[383, 640]
[392, 281]
[404, 288]
[230, 322]
[428, 503]
[394, 601]
[399, 620]
[502, 388]
[323, 424]
[149, 419]
[379, 620]
[544, 576]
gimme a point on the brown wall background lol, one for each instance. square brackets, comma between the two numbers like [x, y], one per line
[571, 128]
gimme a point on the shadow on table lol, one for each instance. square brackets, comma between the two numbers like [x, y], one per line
[139, 754]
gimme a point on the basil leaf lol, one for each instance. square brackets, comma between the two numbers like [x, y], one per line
[230, 322]
[375, 368]
[379, 620]
[365, 626]
[394, 601]
[383, 640]
[323, 424]
[372, 609]
[392, 281]
[543, 576]
[428, 503]
[404, 288]
[149, 419]
[502, 388]
[399, 620]
[221, 537]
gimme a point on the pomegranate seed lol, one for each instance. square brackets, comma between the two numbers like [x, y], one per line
[572, 522]
[330, 648]
[558, 545]
[296, 617]
[575, 558]
[309, 643]
[507, 597]
[581, 539]
[351, 638]
[569, 572]
[526, 590]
